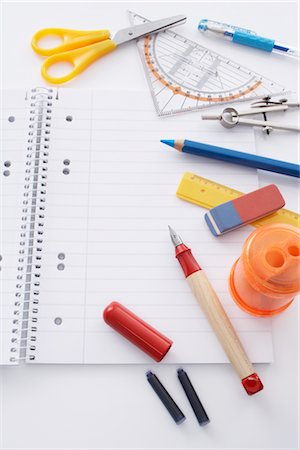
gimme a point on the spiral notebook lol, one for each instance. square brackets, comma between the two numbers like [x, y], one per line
[87, 194]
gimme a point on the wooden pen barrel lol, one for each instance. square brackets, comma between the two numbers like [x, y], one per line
[219, 321]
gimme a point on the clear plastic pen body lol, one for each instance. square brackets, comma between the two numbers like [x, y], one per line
[222, 29]
[246, 37]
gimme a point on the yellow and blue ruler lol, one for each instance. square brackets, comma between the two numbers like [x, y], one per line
[208, 194]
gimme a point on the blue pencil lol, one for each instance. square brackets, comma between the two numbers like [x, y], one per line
[235, 157]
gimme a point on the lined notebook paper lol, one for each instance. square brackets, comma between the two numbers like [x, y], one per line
[88, 193]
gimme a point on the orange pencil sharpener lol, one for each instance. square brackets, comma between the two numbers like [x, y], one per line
[266, 278]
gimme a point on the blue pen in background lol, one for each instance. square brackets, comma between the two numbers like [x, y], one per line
[246, 37]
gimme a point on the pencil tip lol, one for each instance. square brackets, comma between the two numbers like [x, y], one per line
[169, 142]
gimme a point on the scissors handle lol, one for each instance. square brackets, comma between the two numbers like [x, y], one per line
[80, 58]
[71, 39]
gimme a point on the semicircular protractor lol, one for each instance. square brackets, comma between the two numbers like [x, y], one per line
[185, 76]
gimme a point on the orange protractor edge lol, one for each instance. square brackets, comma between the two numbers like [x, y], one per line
[177, 89]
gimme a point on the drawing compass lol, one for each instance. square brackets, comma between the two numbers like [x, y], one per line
[230, 117]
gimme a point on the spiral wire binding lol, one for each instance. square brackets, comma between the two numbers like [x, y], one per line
[32, 223]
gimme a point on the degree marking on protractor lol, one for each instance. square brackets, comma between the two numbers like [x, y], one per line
[177, 90]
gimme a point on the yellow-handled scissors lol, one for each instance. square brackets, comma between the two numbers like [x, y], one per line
[82, 48]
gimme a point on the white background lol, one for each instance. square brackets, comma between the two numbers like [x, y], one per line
[105, 407]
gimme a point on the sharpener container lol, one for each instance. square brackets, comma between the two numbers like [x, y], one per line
[266, 278]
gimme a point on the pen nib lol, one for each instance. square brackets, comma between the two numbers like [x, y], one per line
[175, 238]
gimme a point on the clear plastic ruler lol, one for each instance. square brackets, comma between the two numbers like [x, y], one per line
[185, 76]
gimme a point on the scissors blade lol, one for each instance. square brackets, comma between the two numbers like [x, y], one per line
[134, 32]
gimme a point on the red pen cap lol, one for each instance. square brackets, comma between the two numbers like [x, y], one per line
[137, 331]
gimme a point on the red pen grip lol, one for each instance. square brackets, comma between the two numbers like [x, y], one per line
[186, 260]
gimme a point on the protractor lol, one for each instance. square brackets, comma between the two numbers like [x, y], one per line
[185, 76]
